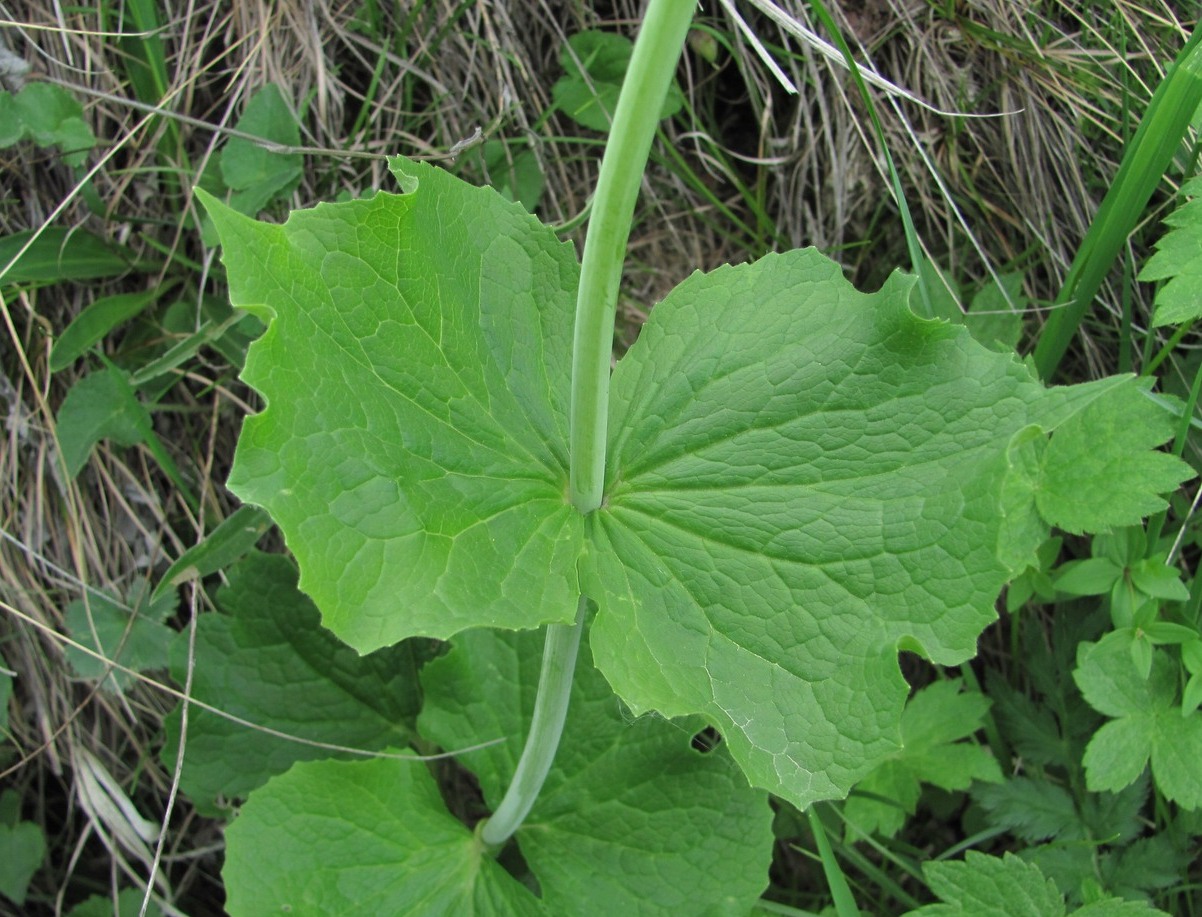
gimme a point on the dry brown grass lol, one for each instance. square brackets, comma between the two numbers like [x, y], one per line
[418, 85]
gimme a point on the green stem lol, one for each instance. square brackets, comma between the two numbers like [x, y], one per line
[652, 66]
[648, 77]
[546, 727]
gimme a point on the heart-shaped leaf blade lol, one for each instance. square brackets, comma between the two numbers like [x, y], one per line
[416, 376]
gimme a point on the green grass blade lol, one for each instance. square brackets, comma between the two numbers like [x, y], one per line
[845, 904]
[1148, 155]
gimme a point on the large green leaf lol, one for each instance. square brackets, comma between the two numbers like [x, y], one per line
[619, 828]
[343, 839]
[265, 660]
[416, 374]
[802, 479]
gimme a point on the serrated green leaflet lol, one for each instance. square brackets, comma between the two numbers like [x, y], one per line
[99, 406]
[266, 660]
[1147, 722]
[934, 721]
[1178, 260]
[617, 829]
[801, 480]
[1087, 489]
[343, 839]
[985, 886]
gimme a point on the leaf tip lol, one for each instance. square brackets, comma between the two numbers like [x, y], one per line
[403, 170]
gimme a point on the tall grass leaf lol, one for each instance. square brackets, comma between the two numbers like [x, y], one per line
[57, 254]
[96, 321]
[221, 548]
[1149, 153]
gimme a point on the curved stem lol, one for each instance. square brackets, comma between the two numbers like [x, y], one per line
[652, 66]
[648, 77]
[546, 726]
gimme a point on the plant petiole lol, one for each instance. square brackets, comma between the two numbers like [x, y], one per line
[648, 77]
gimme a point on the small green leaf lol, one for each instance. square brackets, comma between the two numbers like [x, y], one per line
[1166, 633]
[1192, 698]
[340, 838]
[1100, 469]
[1141, 654]
[1031, 727]
[1126, 546]
[1144, 865]
[49, 116]
[985, 886]
[618, 820]
[256, 174]
[1191, 655]
[1116, 817]
[516, 174]
[265, 660]
[1154, 579]
[22, 849]
[594, 66]
[102, 405]
[1092, 576]
[1032, 810]
[131, 633]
